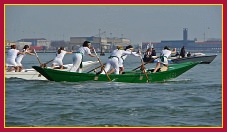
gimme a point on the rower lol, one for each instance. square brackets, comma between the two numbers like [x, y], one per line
[164, 58]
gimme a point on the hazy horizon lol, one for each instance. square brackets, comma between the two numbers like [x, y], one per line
[137, 23]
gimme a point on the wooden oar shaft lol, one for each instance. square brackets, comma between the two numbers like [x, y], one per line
[96, 68]
[102, 66]
[37, 57]
[144, 71]
[48, 61]
[141, 65]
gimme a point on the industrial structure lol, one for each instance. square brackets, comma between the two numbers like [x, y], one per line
[99, 43]
[214, 45]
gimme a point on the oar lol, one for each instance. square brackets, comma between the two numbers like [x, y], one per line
[45, 64]
[144, 71]
[96, 68]
[102, 66]
[38, 58]
[41, 65]
[48, 62]
[141, 65]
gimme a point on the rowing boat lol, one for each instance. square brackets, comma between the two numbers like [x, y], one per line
[138, 76]
[32, 74]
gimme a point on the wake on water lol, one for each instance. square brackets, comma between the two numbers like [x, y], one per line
[179, 80]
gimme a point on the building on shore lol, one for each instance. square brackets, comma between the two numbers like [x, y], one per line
[211, 45]
[34, 43]
[99, 43]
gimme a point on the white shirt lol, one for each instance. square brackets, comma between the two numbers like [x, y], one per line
[166, 53]
[61, 55]
[21, 56]
[11, 57]
[84, 50]
[12, 53]
[125, 55]
[119, 53]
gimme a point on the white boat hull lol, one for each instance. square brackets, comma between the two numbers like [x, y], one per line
[32, 74]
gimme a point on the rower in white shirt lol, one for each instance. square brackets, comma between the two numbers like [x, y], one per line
[19, 58]
[11, 58]
[115, 59]
[59, 57]
[128, 48]
[78, 56]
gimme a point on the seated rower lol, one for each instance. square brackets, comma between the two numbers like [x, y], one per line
[164, 59]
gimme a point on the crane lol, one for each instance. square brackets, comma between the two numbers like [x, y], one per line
[100, 33]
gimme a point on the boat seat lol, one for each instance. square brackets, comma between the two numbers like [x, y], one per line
[164, 68]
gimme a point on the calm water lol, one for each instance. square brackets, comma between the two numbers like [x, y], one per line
[192, 99]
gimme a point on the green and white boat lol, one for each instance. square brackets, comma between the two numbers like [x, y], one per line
[138, 76]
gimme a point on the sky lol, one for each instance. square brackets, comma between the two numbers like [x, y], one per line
[139, 23]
